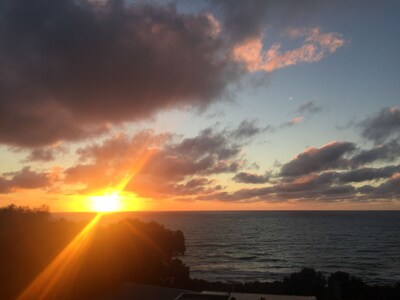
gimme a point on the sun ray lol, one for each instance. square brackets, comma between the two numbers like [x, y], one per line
[110, 199]
[50, 282]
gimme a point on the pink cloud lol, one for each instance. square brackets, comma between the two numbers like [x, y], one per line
[315, 46]
[293, 122]
[297, 120]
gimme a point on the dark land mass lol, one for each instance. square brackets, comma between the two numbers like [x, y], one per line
[132, 251]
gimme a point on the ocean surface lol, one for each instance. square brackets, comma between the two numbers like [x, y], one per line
[267, 245]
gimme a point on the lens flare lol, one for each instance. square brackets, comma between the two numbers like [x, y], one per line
[109, 202]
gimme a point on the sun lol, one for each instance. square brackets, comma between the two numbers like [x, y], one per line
[109, 202]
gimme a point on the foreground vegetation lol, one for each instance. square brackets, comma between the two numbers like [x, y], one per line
[131, 250]
[128, 250]
[308, 282]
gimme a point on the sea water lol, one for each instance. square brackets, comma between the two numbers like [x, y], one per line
[267, 245]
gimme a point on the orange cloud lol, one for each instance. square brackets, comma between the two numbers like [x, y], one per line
[315, 47]
[175, 168]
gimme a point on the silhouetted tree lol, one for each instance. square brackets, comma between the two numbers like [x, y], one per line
[343, 286]
[307, 282]
[128, 250]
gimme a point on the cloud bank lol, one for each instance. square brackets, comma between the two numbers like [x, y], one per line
[71, 70]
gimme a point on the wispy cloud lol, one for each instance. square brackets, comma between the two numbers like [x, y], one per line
[315, 46]
[309, 107]
[292, 122]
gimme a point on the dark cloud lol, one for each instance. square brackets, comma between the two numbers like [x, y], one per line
[69, 68]
[389, 189]
[324, 193]
[326, 174]
[45, 154]
[309, 107]
[365, 174]
[247, 129]
[383, 125]
[387, 152]
[249, 19]
[188, 189]
[40, 154]
[245, 177]
[23, 179]
[330, 156]
[307, 182]
[72, 69]
[322, 174]
[208, 141]
[243, 19]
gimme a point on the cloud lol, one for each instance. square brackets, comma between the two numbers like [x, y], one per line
[381, 126]
[332, 173]
[245, 177]
[321, 174]
[44, 154]
[315, 46]
[242, 20]
[323, 193]
[309, 107]
[366, 174]
[40, 154]
[72, 69]
[317, 159]
[170, 165]
[247, 129]
[292, 122]
[23, 179]
[389, 189]
[387, 152]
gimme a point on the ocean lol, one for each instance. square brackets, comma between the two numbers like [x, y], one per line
[267, 245]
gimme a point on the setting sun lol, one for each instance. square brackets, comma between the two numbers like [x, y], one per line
[109, 202]
[199, 149]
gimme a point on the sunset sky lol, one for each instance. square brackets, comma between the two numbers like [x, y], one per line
[200, 105]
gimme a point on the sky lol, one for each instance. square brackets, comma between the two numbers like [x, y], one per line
[200, 105]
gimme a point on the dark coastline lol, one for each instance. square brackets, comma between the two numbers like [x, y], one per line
[268, 245]
[132, 250]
